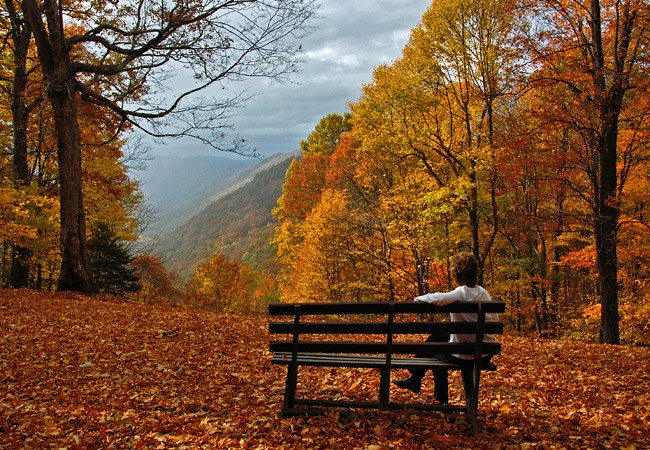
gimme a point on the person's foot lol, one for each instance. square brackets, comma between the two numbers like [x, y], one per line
[412, 384]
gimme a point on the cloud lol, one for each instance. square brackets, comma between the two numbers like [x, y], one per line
[350, 39]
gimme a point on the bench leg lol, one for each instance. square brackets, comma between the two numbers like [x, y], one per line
[471, 398]
[290, 389]
[384, 387]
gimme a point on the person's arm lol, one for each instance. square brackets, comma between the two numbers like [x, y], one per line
[441, 298]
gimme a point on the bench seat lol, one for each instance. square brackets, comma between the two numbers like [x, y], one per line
[370, 362]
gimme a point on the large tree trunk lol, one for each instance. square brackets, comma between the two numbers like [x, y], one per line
[74, 261]
[606, 225]
[610, 101]
[61, 89]
[21, 35]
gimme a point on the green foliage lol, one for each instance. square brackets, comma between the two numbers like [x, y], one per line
[326, 135]
[110, 261]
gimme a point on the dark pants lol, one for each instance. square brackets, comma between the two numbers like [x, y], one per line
[440, 375]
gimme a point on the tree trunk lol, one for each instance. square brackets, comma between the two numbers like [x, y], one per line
[5, 246]
[421, 274]
[21, 36]
[39, 277]
[61, 89]
[19, 271]
[518, 304]
[474, 224]
[50, 278]
[74, 274]
[610, 101]
[606, 236]
[447, 254]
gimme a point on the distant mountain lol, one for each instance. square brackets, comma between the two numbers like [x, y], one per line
[173, 186]
[235, 221]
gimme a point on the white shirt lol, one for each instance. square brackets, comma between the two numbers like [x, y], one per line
[462, 294]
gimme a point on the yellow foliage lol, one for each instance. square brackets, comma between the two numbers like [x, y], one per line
[227, 286]
[27, 218]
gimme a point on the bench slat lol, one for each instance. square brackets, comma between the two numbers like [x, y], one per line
[285, 309]
[333, 360]
[382, 328]
[424, 348]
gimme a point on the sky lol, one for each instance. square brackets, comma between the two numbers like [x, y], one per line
[350, 38]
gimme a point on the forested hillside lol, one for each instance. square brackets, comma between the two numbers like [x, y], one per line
[238, 224]
[173, 187]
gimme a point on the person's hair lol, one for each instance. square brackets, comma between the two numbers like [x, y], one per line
[464, 269]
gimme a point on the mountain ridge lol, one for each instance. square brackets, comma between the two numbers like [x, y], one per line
[173, 185]
[235, 220]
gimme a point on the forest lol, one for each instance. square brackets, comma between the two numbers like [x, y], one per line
[81, 88]
[517, 131]
[519, 137]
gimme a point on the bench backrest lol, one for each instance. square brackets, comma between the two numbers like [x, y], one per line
[398, 319]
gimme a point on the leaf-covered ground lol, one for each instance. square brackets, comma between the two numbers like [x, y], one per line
[79, 372]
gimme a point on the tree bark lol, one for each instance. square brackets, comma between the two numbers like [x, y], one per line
[606, 225]
[21, 36]
[61, 90]
[74, 273]
[3, 274]
[474, 224]
[609, 102]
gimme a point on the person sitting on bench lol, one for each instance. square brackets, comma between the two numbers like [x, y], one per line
[464, 269]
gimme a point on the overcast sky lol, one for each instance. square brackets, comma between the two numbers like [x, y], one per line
[349, 40]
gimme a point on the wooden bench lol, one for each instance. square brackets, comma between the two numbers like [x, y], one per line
[379, 344]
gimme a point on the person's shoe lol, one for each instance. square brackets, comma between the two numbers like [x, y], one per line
[412, 384]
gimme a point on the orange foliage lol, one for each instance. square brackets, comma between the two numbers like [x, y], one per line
[156, 284]
[227, 286]
[303, 186]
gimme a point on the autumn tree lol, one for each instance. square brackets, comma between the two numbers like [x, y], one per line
[226, 286]
[115, 57]
[110, 194]
[438, 105]
[303, 187]
[481, 138]
[326, 135]
[317, 236]
[27, 210]
[596, 52]
[535, 223]
[363, 235]
[18, 37]
[391, 230]
[157, 285]
[28, 220]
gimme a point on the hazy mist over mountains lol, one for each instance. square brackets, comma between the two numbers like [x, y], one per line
[172, 185]
[208, 204]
